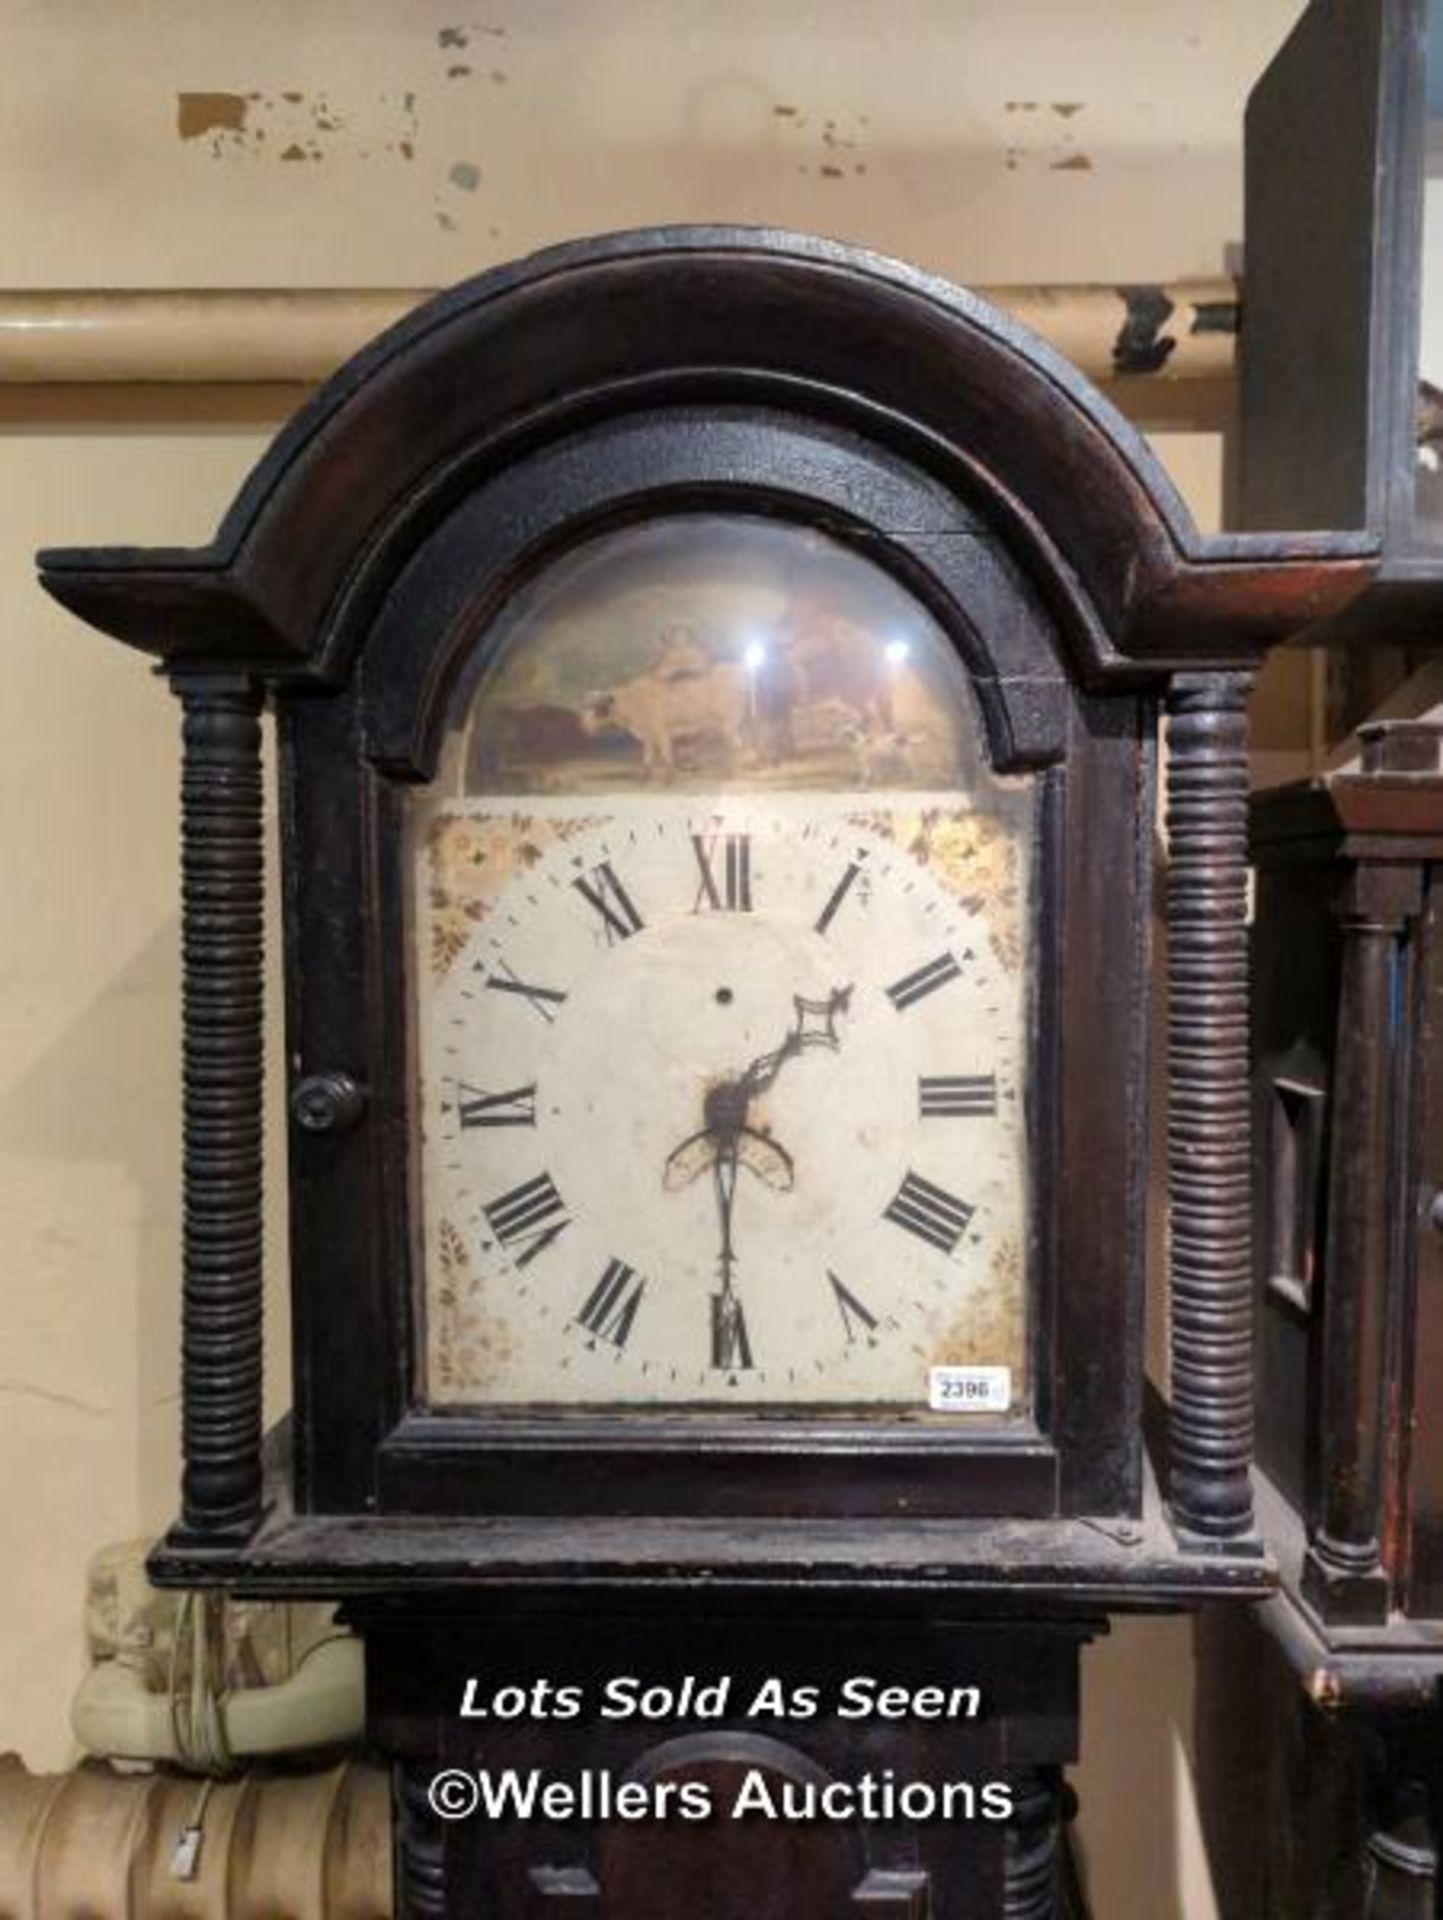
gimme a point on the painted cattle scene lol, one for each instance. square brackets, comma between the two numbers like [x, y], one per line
[708, 651]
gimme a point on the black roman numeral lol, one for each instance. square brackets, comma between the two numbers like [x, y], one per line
[839, 894]
[601, 889]
[930, 1212]
[732, 891]
[851, 1309]
[530, 1217]
[916, 986]
[731, 1349]
[611, 1305]
[514, 1108]
[540, 999]
[966, 1094]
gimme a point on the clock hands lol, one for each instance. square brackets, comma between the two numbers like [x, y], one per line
[726, 1141]
[725, 1131]
[814, 1024]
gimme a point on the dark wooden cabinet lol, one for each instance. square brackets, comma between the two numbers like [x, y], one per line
[1339, 419]
[1321, 1725]
[719, 679]
[1349, 1230]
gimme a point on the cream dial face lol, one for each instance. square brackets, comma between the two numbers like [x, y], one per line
[721, 1101]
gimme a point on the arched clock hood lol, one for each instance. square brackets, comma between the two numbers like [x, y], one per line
[688, 314]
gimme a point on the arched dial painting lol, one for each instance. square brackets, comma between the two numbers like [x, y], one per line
[720, 922]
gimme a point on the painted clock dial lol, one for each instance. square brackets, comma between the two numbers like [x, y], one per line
[721, 928]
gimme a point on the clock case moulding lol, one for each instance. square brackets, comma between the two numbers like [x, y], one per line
[588, 387]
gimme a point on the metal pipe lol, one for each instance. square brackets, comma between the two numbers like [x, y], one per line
[1176, 331]
[292, 1846]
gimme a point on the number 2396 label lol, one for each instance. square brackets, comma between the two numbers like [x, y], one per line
[969, 1389]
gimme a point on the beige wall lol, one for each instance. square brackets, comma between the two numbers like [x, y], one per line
[147, 144]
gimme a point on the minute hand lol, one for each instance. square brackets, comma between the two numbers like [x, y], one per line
[814, 1024]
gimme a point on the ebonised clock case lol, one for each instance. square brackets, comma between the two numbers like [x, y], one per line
[688, 370]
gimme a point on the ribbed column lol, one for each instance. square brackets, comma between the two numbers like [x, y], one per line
[1031, 1847]
[1343, 1575]
[221, 958]
[1400, 1859]
[420, 1847]
[1211, 1431]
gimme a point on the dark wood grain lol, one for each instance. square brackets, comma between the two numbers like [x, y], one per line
[1032, 1860]
[1210, 1262]
[1334, 174]
[618, 325]
[221, 959]
[1421, 1347]
[1321, 1768]
[1335, 166]
[1347, 988]
[1345, 1576]
[420, 1847]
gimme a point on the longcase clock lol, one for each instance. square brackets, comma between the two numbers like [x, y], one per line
[719, 678]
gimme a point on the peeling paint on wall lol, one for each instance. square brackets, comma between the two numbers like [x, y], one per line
[1055, 148]
[297, 125]
[833, 151]
[460, 37]
[197, 114]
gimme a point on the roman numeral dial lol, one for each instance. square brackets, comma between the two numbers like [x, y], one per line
[542, 1000]
[724, 863]
[529, 1218]
[957, 1096]
[723, 1094]
[609, 1311]
[851, 874]
[930, 1212]
[602, 891]
[857, 1319]
[731, 1347]
[514, 1108]
[912, 987]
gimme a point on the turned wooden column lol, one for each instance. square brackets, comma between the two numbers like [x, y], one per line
[420, 1845]
[1209, 1172]
[1343, 1576]
[221, 959]
[1400, 1854]
[1032, 1850]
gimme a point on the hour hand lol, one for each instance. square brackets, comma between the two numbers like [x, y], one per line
[757, 1152]
[760, 1154]
[694, 1157]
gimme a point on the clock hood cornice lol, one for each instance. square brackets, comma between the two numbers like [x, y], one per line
[529, 353]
